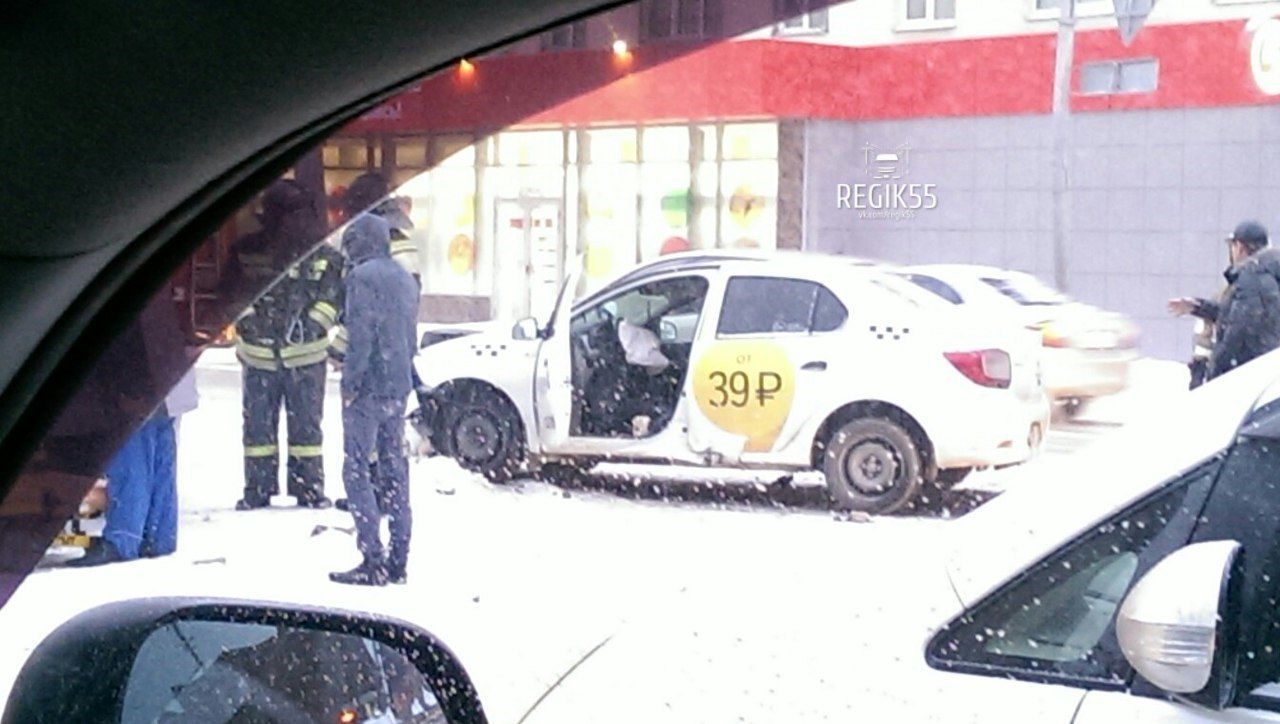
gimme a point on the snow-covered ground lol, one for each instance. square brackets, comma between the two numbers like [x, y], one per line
[522, 581]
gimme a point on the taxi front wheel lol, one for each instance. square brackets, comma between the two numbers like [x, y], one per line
[872, 465]
[484, 434]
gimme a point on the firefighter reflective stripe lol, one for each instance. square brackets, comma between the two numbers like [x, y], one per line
[260, 451]
[305, 451]
[338, 346]
[256, 356]
[307, 359]
[254, 350]
[324, 314]
[295, 351]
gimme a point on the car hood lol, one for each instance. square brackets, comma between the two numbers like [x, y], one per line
[770, 651]
[1056, 500]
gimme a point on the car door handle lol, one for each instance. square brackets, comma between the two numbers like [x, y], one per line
[817, 365]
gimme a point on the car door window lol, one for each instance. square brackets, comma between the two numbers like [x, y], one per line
[829, 313]
[937, 286]
[1055, 622]
[769, 305]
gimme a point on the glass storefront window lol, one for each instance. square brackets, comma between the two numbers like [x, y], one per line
[666, 143]
[749, 204]
[749, 140]
[452, 249]
[531, 148]
[453, 150]
[411, 152]
[666, 207]
[346, 153]
[611, 145]
[610, 220]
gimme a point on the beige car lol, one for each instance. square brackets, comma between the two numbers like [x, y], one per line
[1087, 351]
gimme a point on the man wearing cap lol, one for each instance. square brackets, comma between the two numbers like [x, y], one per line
[1247, 319]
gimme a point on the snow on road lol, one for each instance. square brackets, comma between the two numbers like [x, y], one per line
[520, 581]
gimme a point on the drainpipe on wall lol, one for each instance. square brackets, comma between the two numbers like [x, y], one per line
[1062, 64]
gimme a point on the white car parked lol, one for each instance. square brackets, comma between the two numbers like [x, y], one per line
[780, 361]
[1087, 351]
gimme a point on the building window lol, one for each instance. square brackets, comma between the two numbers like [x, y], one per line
[927, 14]
[566, 37]
[1119, 76]
[800, 16]
[668, 19]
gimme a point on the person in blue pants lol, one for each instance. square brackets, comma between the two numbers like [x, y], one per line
[142, 502]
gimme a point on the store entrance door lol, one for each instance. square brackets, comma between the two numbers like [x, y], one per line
[530, 257]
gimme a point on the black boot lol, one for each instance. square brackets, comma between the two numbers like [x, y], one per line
[396, 573]
[246, 504]
[321, 503]
[342, 504]
[368, 573]
[98, 553]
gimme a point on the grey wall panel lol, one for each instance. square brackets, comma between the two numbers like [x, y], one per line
[1154, 193]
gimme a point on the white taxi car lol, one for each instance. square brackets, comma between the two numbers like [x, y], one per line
[777, 361]
[1087, 351]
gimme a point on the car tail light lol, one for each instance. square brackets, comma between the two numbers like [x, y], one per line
[986, 367]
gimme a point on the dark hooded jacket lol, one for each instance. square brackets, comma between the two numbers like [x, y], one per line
[1248, 317]
[380, 314]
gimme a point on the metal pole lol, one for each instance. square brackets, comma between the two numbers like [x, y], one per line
[1062, 63]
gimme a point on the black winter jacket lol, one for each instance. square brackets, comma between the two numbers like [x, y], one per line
[380, 314]
[1248, 317]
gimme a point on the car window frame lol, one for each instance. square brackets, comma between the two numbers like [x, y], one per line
[595, 301]
[818, 288]
[914, 278]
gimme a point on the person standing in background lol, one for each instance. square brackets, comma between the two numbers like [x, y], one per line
[1247, 319]
[142, 497]
[380, 315]
[282, 342]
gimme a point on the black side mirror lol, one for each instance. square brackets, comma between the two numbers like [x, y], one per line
[172, 660]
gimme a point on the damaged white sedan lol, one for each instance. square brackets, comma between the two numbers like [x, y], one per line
[772, 361]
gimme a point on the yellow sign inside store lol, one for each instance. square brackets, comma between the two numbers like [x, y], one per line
[746, 387]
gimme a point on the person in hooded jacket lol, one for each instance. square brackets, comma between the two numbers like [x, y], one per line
[1247, 319]
[380, 314]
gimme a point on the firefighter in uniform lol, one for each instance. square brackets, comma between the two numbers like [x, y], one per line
[282, 342]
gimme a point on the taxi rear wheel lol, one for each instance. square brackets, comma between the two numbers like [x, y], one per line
[872, 465]
[484, 434]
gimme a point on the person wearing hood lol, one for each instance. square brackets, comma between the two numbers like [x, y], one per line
[369, 193]
[380, 314]
[1247, 319]
[282, 342]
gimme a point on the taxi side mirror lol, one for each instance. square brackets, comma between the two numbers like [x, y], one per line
[526, 329]
[175, 659]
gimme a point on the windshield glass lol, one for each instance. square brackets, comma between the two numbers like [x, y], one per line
[725, 468]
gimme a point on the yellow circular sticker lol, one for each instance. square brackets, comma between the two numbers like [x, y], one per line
[745, 387]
